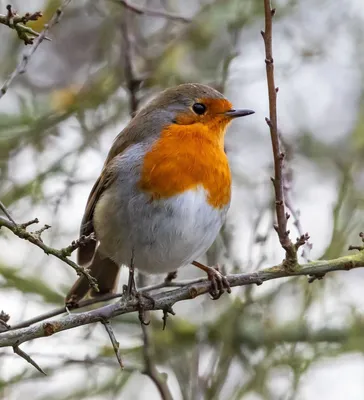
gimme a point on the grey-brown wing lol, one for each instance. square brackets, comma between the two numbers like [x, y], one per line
[86, 252]
[126, 138]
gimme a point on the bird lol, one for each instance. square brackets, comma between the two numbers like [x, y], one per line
[163, 193]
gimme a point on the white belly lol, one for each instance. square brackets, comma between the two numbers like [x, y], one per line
[165, 234]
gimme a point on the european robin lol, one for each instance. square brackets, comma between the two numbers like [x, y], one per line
[163, 192]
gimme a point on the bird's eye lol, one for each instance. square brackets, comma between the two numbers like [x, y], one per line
[199, 108]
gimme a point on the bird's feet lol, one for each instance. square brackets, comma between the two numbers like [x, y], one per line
[142, 298]
[131, 292]
[219, 283]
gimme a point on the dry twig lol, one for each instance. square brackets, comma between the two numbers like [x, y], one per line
[282, 216]
[287, 190]
[81, 241]
[153, 13]
[35, 238]
[21, 67]
[151, 369]
[15, 21]
[6, 212]
[303, 239]
[114, 342]
[131, 83]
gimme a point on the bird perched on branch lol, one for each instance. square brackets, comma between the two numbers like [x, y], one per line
[163, 192]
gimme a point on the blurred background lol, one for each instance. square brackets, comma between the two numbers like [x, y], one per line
[286, 339]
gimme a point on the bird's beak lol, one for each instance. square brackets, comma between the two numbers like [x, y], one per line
[238, 113]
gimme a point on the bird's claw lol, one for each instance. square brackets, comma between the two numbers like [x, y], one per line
[219, 283]
[141, 306]
[141, 298]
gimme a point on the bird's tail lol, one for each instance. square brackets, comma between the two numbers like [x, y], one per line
[106, 273]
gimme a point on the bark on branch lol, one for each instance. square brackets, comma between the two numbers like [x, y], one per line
[166, 300]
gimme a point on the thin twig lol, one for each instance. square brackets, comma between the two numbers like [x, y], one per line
[35, 238]
[151, 369]
[169, 298]
[287, 188]
[359, 248]
[131, 83]
[114, 342]
[6, 212]
[153, 13]
[27, 358]
[81, 241]
[148, 353]
[282, 215]
[15, 21]
[21, 67]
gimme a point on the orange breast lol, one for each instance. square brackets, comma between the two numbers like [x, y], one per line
[185, 157]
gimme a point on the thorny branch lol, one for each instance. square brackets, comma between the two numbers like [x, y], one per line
[166, 299]
[282, 215]
[96, 300]
[21, 67]
[63, 254]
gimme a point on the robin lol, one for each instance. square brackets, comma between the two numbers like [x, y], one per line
[163, 193]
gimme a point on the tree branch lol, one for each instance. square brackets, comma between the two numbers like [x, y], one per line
[151, 369]
[278, 156]
[21, 67]
[167, 299]
[281, 226]
[62, 254]
[99, 299]
[15, 21]
[114, 342]
[153, 13]
[131, 83]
